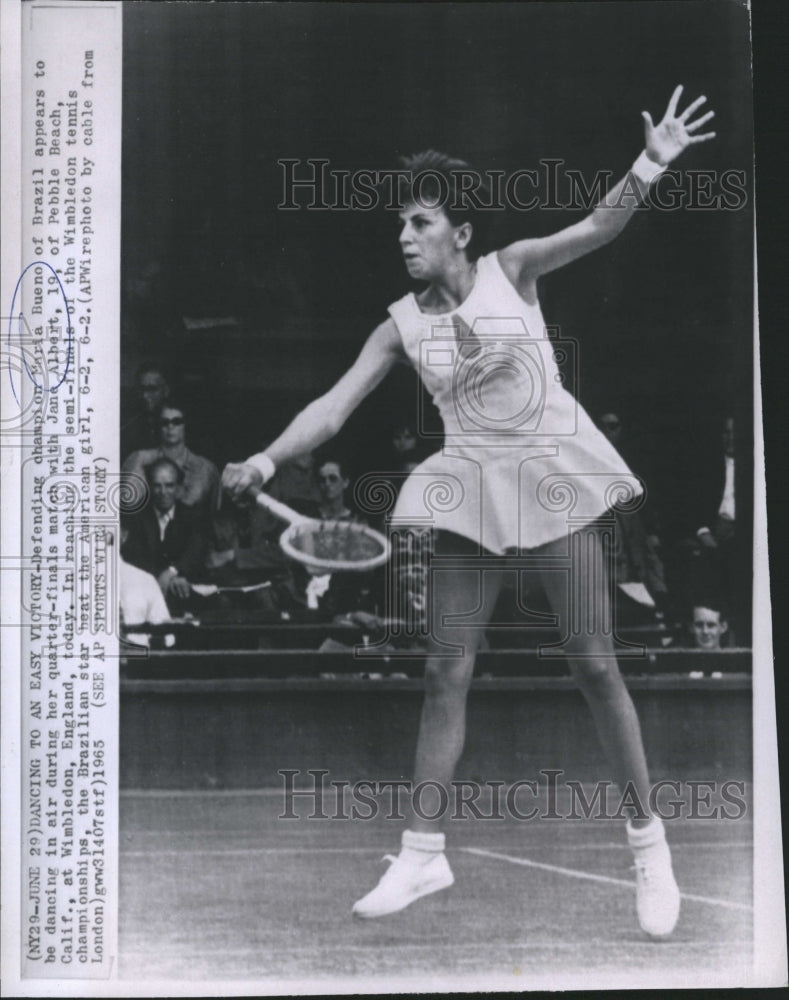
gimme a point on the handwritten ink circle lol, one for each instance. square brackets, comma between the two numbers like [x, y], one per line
[69, 329]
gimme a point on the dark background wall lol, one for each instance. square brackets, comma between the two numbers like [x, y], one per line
[178, 735]
[215, 94]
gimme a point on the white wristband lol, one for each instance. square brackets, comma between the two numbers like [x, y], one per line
[263, 464]
[646, 170]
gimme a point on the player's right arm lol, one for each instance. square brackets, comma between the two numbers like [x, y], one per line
[323, 418]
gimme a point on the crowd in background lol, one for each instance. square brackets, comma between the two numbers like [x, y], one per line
[187, 551]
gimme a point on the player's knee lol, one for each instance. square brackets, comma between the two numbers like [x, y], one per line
[453, 642]
[448, 678]
[596, 674]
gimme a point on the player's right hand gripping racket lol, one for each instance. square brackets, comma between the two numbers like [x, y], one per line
[327, 546]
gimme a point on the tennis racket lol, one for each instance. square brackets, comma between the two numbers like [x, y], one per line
[327, 546]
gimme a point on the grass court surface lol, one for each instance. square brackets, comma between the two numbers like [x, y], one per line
[213, 886]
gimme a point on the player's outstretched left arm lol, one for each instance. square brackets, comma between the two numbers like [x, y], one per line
[527, 259]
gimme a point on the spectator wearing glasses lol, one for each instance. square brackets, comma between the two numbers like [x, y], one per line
[199, 487]
[332, 485]
[334, 593]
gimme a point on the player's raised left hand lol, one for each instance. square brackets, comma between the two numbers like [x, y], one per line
[666, 140]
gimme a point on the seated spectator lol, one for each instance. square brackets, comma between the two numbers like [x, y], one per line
[716, 507]
[294, 484]
[331, 504]
[167, 538]
[246, 548]
[199, 484]
[246, 554]
[709, 557]
[637, 455]
[295, 481]
[140, 601]
[404, 444]
[708, 625]
[140, 425]
[407, 449]
[642, 594]
[334, 593]
[246, 545]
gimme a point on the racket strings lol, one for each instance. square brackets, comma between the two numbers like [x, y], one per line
[336, 542]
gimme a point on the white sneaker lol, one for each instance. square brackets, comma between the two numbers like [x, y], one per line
[657, 892]
[403, 883]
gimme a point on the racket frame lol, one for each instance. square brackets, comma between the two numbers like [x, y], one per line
[297, 522]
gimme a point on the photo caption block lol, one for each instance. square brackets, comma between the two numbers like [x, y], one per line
[62, 342]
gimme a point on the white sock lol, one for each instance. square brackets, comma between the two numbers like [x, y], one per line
[646, 836]
[419, 848]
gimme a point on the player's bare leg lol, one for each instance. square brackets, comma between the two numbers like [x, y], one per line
[421, 866]
[448, 672]
[593, 663]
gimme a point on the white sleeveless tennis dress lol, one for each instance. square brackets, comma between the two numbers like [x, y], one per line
[522, 463]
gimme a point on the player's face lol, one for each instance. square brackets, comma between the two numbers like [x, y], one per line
[429, 242]
[172, 426]
[708, 629]
[164, 486]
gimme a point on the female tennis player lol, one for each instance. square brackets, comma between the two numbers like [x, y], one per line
[514, 440]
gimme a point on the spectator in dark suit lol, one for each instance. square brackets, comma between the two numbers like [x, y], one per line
[707, 560]
[166, 538]
[715, 506]
[639, 568]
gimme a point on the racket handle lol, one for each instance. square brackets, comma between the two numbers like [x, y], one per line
[279, 509]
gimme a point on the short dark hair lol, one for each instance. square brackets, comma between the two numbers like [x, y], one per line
[174, 404]
[438, 175]
[161, 463]
[712, 604]
[331, 460]
[151, 365]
